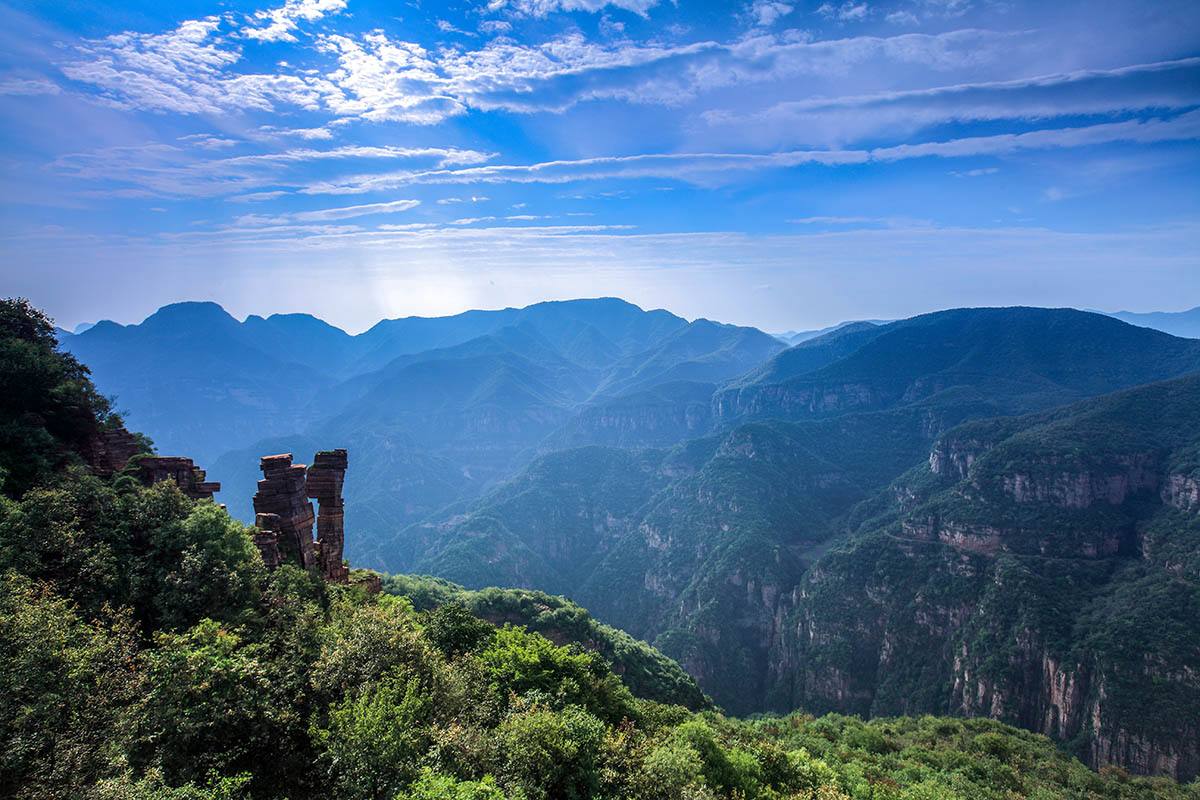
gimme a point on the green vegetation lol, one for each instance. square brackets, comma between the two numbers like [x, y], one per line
[647, 672]
[1053, 585]
[146, 654]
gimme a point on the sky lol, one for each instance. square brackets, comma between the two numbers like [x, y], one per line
[776, 163]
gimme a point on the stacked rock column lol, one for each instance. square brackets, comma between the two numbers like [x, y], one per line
[283, 492]
[324, 484]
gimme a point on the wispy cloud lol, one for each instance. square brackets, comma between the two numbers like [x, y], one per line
[1162, 85]
[28, 86]
[160, 169]
[719, 168]
[283, 21]
[348, 212]
[541, 8]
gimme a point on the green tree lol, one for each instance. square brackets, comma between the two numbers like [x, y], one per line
[65, 688]
[49, 409]
[551, 754]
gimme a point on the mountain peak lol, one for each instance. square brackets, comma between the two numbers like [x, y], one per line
[190, 312]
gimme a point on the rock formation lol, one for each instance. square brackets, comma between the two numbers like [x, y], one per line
[284, 513]
[190, 478]
[324, 484]
[117, 450]
[110, 450]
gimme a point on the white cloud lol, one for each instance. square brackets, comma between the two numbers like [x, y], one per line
[1170, 84]
[159, 169]
[283, 21]
[311, 134]
[28, 86]
[766, 13]
[719, 168]
[208, 141]
[256, 197]
[491, 27]
[472, 199]
[699, 168]
[542, 8]
[194, 69]
[1180, 128]
[902, 18]
[347, 212]
[846, 12]
[174, 71]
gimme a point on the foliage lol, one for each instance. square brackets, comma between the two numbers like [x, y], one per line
[49, 409]
[145, 653]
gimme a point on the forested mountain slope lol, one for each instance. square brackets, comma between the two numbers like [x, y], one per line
[1043, 570]
[1016, 359]
[147, 653]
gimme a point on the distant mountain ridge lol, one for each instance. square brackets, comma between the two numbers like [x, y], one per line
[702, 547]
[1176, 323]
[444, 406]
[697, 484]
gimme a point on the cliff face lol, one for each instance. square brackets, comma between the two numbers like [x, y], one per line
[800, 398]
[1041, 571]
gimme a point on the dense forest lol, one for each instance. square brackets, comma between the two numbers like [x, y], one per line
[146, 652]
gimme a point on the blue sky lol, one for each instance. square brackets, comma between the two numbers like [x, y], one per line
[776, 163]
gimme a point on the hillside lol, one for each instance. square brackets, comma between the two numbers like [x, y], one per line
[1041, 570]
[647, 672]
[700, 547]
[1016, 359]
[147, 652]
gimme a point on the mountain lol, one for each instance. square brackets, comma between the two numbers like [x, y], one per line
[704, 548]
[428, 426]
[647, 672]
[1015, 359]
[793, 338]
[622, 324]
[695, 483]
[1043, 570]
[147, 650]
[1176, 323]
[193, 378]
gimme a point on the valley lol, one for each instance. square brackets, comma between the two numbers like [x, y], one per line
[823, 526]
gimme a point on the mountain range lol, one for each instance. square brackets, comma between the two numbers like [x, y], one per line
[982, 511]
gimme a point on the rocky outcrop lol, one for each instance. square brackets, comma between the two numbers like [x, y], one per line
[108, 451]
[283, 493]
[324, 484]
[1074, 488]
[1182, 492]
[952, 457]
[799, 399]
[284, 513]
[116, 450]
[191, 480]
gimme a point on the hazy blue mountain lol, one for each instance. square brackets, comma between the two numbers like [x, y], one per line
[1176, 323]
[1016, 359]
[429, 425]
[196, 381]
[703, 351]
[703, 557]
[621, 323]
[656, 417]
[792, 338]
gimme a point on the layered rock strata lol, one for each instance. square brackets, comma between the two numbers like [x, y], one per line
[284, 513]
